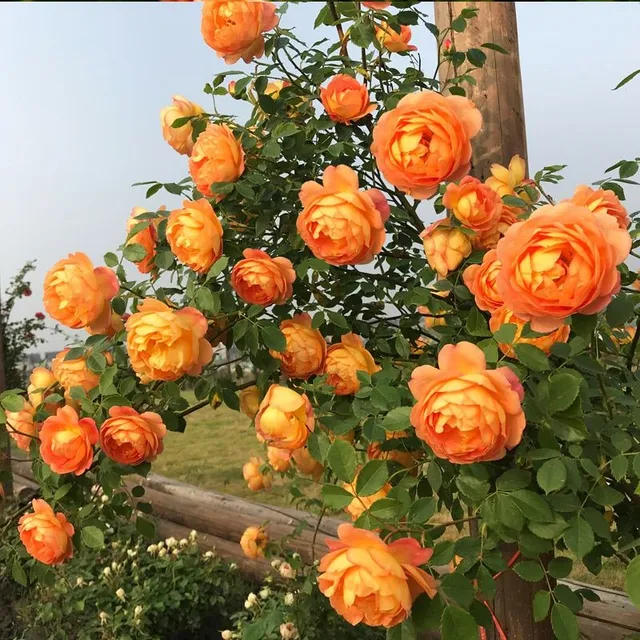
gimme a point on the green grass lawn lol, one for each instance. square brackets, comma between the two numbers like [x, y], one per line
[215, 445]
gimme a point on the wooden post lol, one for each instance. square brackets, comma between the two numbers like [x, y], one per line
[6, 477]
[498, 95]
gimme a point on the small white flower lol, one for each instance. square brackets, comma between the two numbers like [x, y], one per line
[134, 565]
[226, 634]
[120, 594]
[265, 593]
[106, 572]
[233, 566]
[209, 554]
[79, 581]
[132, 553]
[251, 601]
[193, 534]
[103, 617]
[152, 549]
[137, 611]
[289, 599]
[276, 562]
[175, 552]
[104, 499]
[162, 553]
[109, 531]
[287, 571]
[184, 542]
[160, 544]
[114, 566]
[295, 555]
[115, 545]
[288, 631]
[171, 542]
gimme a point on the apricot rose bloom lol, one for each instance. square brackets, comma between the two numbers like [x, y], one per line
[254, 542]
[489, 239]
[377, 6]
[234, 28]
[285, 418]
[47, 536]
[256, 480]
[180, 138]
[305, 349]
[425, 140]
[480, 279]
[165, 344]
[194, 234]
[261, 279]
[503, 316]
[369, 581]
[130, 438]
[393, 41]
[343, 362]
[475, 205]
[66, 442]
[504, 180]
[603, 200]
[116, 324]
[146, 239]
[307, 464]
[278, 459]
[40, 381]
[445, 246]
[465, 412]
[340, 223]
[360, 504]
[73, 373]
[77, 295]
[250, 401]
[345, 99]
[21, 426]
[217, 156]
[562, 260]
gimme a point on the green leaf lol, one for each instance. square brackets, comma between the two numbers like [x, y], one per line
[397, 419]
[338, 319]
[472, 488]
[92, 537]
[579, 536]
[62, 491]
[273, 338]
[486, 582]
[342, 460]
[404, 631]
[513, 480]
[584, 326]
[606, 496]
[145, 527]
[204, 300]
[529, 570]
[12, 401]
[458, 588]
[548, 530]
[626, 79]
[532, 357]
[476, 57]
[541, 604]
[426, 612]
[533, 506]
[111, 259]
[272, 149]
[459, 24]
[619, 311]
[619, 467]
[564, 622]
[494, 47]
[632, 581]
[218, 267]
[18, 574]
[552, 475]
[506, 333]
[336, 497]
[137, 491]
[458, 624]
[477, 324]
[385, 509]
[134, 252]
[319, 445]
[563, 390]
[422, 509]
[372, 477]
[508, 512]
[560, 567]
[96, 362]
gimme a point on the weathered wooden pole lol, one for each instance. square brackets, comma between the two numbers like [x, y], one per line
[498, 95]
[6, 477]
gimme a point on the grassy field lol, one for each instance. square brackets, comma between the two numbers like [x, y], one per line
[216, 444]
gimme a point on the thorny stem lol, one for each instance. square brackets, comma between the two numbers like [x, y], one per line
[315, 535]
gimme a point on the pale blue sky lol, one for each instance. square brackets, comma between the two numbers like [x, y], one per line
[83, 84]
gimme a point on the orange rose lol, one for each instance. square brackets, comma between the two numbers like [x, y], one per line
[403, 457]
[376, 6]
[305, 351]
[250, 401]
[285, 418]
[77, 295]
[360, 504]
[339, 223]
[66, 442]
[369, 581]
[115, 325]
[41, 381]
[195, 235]
[476, 206]
[146, 239]
[21, 426]
[254, 477]
[217, 156]
[129, 437]
[430, 320]
[279, 459]
[604, 201]
[393, 41]
[504, 316]
[274, 88]
[73, 373]
[489, 239]
[234, 28]
[445, 246]
[47, 536]
[480, 279]
[307, 464]
[165, 344]
[260, 279]
[181, 138]
[425, 140]
[253, 542]
[504, 180]
[465, 412]
[343, 362]
[345, 99]
[561, 261]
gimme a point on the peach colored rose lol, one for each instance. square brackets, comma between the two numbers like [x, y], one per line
[476, 206]
[41, 382]
[465, 412]
[274, 88]
[164, 344]
[254, 542]
[339, 223]
[194, 234]
[217, 156]
[360, 504]
[250, 401]
[430, 319]
[146, 238]
[66, 442]
[279, 459]
[562, 260]
[393, 41]
[260, 279]
[254, 477]
[285, 418]
[73, 373]
[445, 246]
[21, 426]
[345, 99]
[489, 239]
[307, 464]
[180, 138]
[305, 350]
[504, 180]
[369, 581]
[129, 437]
[376, 6]
[77, 295]
[115, 325]
[343, 362]
[504, 316]
[234, 28]
[403, 457]
[480, 279]
[604, 201]
[47, 536]
[425, 140]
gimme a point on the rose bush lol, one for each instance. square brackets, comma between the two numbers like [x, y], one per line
[332, 282]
